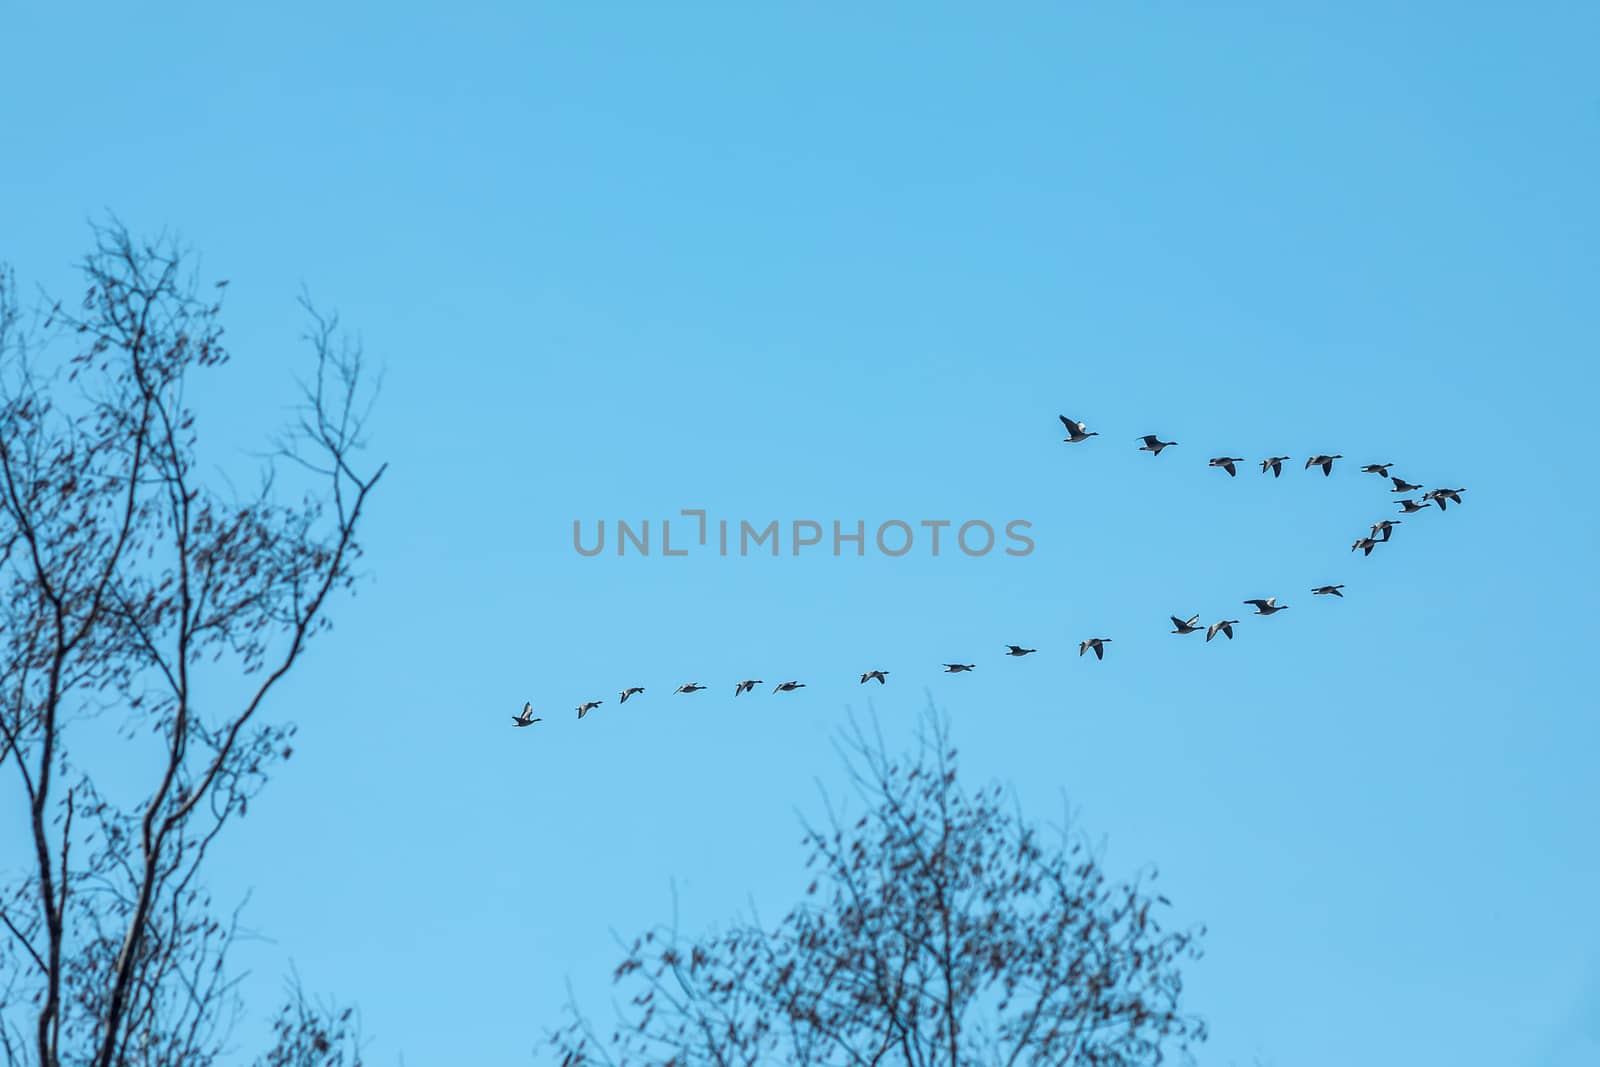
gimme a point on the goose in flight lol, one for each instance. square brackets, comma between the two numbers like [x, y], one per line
[1274, 464]
[1384, 527]
[1077, 431]
[630, 691]
[1380, 469]
[788, 687]
[526, 718]
[745, 686]
[879, 676]
[1439, 496]
[1097, 643]
[1411, 507]
[1366, 544]
[1403, 486]
[1018, 650]
[1325, 462]
[1223, 627]
[957, 668]
[1226, 463]
[1329, 590]
[1181, 627]
[587, 706]
[1154, 445]
[1269, 606]
[692, 687]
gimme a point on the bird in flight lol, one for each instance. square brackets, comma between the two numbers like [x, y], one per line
[692, 687]
[1181, 627]
[526, 718]
[1269, 606]
[1403, 486]
[630, 691]
[879, 676]
[1018, 650]
[587, 706]
[1329, 590]
[1325, 462]
[1226, 463]
[1223, 627]
[1096, 643]
[957, 668]
[1366, 544]
[1077, 431]
[1273, 464]
[1154, 445]
[1384, 527]
[1439, 496]
[1411, 507]
[745, 686]
[788, 687]
[1380, 469]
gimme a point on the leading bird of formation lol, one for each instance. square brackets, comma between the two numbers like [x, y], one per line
[1077, 433]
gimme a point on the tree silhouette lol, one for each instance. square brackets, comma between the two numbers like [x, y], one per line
[146, 615]
[940, 928]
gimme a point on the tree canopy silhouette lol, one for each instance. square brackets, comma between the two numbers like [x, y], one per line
[146, 615]
[939, 928]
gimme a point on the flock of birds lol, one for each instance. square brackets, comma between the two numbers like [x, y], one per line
[1077, 433]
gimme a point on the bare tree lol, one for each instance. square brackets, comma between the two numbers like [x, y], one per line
[146, 616]
[940, 928]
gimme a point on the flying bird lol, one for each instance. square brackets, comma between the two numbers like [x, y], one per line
[1269, 606]
[957, 668]
[1274, 464]
[1439, 496]
[871, 675]
[692, 687]
[1380, 469]
[788, 687]
[630, 691]
[1384, 527]
[587, 706]
[1181, 627]
[745, 686]
[1096, 643]
[1325, 462]
[1223, 627]
[1226, 463]
[1077, 431]
[1018, 650]
[1154, 445]
[1366, 544]
[526, 718]
[1403, 486]
[1329, 590]
[1410, 507]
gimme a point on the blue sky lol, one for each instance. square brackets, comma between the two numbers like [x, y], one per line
[817, 262]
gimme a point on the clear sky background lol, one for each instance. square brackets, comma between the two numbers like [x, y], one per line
[841, 261]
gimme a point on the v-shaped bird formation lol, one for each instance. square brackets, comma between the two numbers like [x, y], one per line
[1077, 433]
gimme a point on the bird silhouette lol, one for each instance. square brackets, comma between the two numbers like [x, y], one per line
[1076, 431]
[1325, 462]
[1096, 643]
[1181, 627]
[1269, 606]
[1154, 445]
[878, 675]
